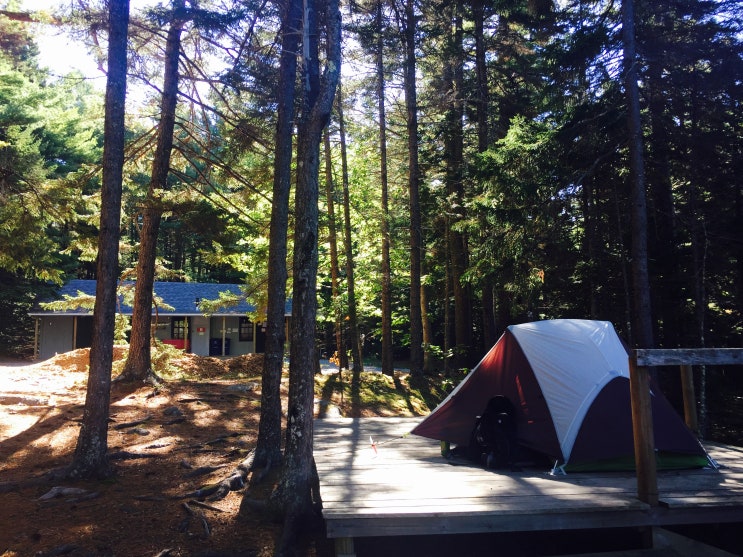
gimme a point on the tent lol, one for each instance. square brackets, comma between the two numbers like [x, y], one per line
[568, 380]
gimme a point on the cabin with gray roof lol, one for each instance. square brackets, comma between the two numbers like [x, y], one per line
[230, 330]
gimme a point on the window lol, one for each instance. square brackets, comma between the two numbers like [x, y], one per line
[246, 329]
[179, 327]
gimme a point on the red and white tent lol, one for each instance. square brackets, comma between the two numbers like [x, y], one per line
[568, 380]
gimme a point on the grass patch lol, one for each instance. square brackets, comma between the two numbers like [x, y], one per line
[375, 394]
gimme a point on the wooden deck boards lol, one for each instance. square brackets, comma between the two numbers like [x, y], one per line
[402, 486]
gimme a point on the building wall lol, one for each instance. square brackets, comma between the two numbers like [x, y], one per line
[200, 335]
[231, 327]
[55, 335]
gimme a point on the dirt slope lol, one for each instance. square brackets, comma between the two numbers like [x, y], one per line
[188, 427]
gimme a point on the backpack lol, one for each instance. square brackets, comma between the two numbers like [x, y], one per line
[493, 438]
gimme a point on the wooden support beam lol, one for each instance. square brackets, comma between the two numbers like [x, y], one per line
[37, 349]
[689, 356]
[642, 424]
[690, 399]
[642, 417]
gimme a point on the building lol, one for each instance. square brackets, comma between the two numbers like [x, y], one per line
[228, 331]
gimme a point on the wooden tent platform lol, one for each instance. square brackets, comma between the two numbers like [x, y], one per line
[404, 487]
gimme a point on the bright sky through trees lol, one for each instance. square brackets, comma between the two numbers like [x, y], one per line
[63, 53]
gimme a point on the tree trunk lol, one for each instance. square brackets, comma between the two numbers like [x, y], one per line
[388, 363]
[90, 459]
[481, 72]
[643, 328]
[457, 241]
[353, 320]
[489, 332]
[268, 446]
[426, 329]
[739, 254]
[333, 241]
[591, 246]
[665, 253]
[295, 488]
[411, 106]
[138, 364]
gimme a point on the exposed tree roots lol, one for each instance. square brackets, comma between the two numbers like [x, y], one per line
[235, 481]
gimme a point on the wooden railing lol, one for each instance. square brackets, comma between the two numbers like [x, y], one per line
[642, 418]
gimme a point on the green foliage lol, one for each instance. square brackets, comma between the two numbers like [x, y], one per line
[16, 327]
[519, 218]
[48, 133]
[71, 303]
[544, 209]
[164, 360]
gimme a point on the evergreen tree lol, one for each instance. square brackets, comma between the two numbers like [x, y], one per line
[91, 459]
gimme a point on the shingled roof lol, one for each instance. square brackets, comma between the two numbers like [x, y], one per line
[182, 296]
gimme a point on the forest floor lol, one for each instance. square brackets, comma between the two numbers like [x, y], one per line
[187, 433]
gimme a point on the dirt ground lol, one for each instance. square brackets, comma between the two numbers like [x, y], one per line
[193, 433]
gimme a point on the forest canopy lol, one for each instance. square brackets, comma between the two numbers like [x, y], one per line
[521, 184]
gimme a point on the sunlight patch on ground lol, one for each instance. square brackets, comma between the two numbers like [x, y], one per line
[20, 423]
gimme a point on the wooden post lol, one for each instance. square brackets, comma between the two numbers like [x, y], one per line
[642, 425]
[224, 335]
[642, 417]
[690, 406]
[36, 338]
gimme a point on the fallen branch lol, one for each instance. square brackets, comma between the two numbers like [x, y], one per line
[173, 421]
[191, 513]
[71, 494]
[127, 455]
[207, 446]
[206, 506]
[203, 470]
[219, 439]
[61, 491]
[134, 423]
[156, 498]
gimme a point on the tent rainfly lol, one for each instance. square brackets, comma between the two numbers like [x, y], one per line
[568, 380]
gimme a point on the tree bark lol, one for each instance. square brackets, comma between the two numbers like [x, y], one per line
[138, 364]
[665, 254]
[489, 332]
[643, 329]
[456, 240]
[411, 106]
[268, 447]
[333, 241]
[295, 489]
[353, 319]
[90, 459]
[388, 363]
